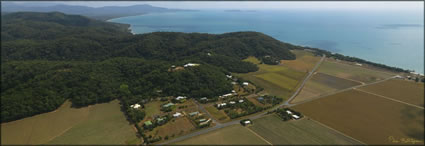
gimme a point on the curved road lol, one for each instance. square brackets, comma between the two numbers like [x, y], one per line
[222, 125]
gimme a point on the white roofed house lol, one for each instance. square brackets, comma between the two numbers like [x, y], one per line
[177, 114]
[181, 97]
[191, 64]
[296, 117]
[245, 83]
[135, 106]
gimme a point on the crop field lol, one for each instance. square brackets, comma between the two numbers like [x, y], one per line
[236, 134]
[277, 80]
[321, 84]
[406, 91]
[305, 61]
[282, 81]
[352, 72]
[42, 128]
[366, 117]
[105, 124]
[303, 131]
[217, 114]
[176, 127]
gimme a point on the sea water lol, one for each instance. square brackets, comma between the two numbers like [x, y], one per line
[387, 37]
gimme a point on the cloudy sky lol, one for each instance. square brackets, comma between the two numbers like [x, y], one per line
[366, 5]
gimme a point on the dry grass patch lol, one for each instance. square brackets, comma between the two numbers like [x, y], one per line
[180, 126]
[305, 61]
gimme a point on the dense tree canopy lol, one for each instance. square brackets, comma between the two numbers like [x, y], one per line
[48, 58]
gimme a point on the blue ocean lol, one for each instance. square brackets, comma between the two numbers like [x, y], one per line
[387, 37]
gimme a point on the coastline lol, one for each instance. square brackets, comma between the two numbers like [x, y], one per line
[357, 59]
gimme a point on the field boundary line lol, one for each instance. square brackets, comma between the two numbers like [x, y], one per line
[336, 131]
[390, 98]
[259, 136]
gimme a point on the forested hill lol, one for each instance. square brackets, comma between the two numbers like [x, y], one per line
[48, 58]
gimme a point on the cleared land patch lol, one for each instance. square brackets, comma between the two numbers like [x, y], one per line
[352, 72]
[41, 128]
[175, 127]
[321, 84]
[236, 134]
[305, 61]
[302, 131]
[366, 117]
[153, 108]
[406, 91]
[217, 114]
[105, 124]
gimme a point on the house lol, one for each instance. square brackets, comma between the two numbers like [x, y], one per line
[147, 124]
[233, 91]
[203, 123]
[181, 97]
[245, 83]
[234, 83]
[173, 66]
[204, 98]
[202, 120]
[358, 64]
[177, 114]
[240, 101]
[229, 76]
[289, 112]
[226, 95]
[209, 54]
[295, 117]
[398, 76]
[260, 98]
[221, 105]
[232, 102]
[191, 64]
[135, 106]
[193, 113]
[246, 122]
[168, 104]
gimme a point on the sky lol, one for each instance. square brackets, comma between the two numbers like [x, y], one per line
[365, 5]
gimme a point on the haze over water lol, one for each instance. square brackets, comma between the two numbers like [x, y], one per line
[387, 37]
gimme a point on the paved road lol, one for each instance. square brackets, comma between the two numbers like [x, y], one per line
[222, 125]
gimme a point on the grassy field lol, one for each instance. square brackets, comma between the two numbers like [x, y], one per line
[366, 117]
[218, 115]
[236, 135]
[305, 61]
[407, 91]
[277, 80]
[179, 126]
[280, 80]
[303, 131]
[321, 84]
[352, 72]
[153, 108]
[105, 124]
[42, 128]
[97, 124]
